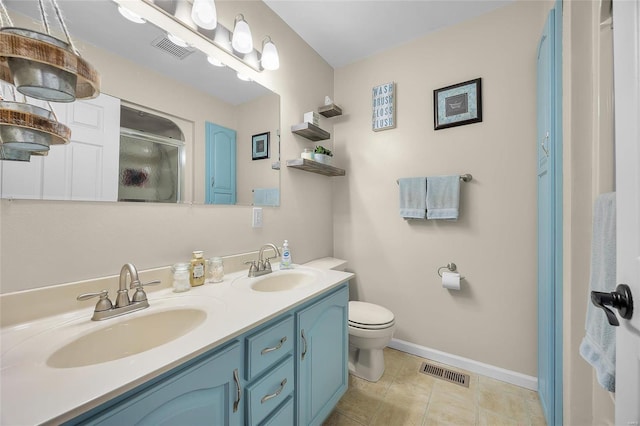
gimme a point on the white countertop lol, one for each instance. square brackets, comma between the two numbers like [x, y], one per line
[33, 392]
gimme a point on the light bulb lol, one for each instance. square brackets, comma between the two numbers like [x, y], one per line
[242, 41]
[133, 17]
[215, 61]
[243, 77]
[177, 40]
[204, 14]
[270, 59]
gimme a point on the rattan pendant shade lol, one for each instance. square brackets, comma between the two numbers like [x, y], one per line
[43, 67]
[30, 128]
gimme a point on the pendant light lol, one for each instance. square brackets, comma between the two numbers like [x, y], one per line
[11, 154]
[242, 41]
[270, 59]
[131, 16]
[27, 127]
[204, 14]
[44, 67]
[177, 40]
[215, 61]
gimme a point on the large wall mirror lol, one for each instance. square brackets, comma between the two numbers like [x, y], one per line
[168, 127]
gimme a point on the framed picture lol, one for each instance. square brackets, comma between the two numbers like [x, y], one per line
[260, 146]
[458, 104]
[384, 107]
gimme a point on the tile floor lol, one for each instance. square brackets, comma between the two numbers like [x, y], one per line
[404, 396]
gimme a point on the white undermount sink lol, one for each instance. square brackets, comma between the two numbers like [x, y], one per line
[279, 280]
[126, 337]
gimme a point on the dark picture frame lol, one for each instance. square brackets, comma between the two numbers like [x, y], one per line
[260, 145]
[458, 104]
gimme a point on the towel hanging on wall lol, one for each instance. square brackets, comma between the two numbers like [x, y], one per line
[443, 197]
[413, 194]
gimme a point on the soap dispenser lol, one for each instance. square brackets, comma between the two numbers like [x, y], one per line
[285, 262]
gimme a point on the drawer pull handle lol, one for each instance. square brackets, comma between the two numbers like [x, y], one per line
[304, 342]
[276, 393]
[267, 350]
[238, 389]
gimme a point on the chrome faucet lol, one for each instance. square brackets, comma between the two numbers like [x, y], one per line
[262, 266]
[105, 309]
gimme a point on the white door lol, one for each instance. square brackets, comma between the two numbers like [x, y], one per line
[626, 53]
[84, 169]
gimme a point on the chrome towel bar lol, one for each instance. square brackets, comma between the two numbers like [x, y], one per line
[467, 177]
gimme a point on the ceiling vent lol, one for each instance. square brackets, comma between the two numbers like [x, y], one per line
[164, 44]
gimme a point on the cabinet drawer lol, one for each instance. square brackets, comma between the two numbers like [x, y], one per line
[266, 394]
[267, 346]
[283, 415]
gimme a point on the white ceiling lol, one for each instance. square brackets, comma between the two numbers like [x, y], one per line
[343, 32]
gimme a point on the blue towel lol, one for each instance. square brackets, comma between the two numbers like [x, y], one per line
[413, 196]
[443, 197]
[598, 346]
[266, 197]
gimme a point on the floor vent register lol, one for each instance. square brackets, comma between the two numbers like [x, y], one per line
[445, 374]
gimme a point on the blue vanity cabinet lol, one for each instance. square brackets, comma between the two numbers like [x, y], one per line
[268, 345]
[205, 392]
[322, 356]
[290, 370]
[266, 394]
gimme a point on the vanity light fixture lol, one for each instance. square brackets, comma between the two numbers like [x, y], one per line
[237, 43]
[243, 77]
[270, 59]
[204, 14]
[177, 40]
[133, 17]
[222, 39]
[252, 60]
[242, 41]
[215, 61]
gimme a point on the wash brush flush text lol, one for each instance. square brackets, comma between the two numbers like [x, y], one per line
[384, 108]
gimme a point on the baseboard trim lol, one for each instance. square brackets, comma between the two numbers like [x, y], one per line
[515, 378]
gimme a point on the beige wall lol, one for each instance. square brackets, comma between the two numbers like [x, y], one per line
[46, 242]
[493, 318]
[257, 117]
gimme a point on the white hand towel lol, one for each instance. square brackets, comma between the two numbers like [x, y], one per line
[598, 346]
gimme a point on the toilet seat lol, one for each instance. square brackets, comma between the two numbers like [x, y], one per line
[369, 316]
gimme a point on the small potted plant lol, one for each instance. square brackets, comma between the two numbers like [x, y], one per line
[322, 155]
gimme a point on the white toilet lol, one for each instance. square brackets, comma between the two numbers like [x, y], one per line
[371, 328]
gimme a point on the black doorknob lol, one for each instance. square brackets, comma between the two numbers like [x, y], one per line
[620, 299]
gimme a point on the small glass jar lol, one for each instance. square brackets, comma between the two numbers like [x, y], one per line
[215, 270]
[181, 273]
[307, 153]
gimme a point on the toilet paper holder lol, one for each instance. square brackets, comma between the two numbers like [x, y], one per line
[451, 267]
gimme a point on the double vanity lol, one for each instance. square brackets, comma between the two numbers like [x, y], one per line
[266, 350]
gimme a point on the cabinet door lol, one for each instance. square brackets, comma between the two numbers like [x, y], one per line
[322, 357]
[204, 393]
